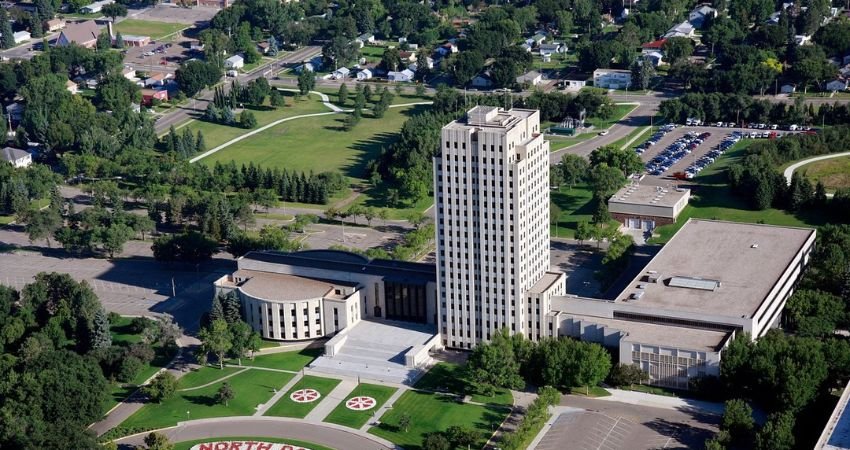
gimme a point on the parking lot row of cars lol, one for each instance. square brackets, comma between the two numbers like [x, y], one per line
[654, 138]
[755, 126]
[675, 152]
[707, 159]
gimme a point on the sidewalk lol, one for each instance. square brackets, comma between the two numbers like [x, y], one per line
[661, 401]
[336, 396]
[384, 408]
[265, 406]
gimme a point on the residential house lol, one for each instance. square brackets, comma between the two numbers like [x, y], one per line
[234, 62]
[263, 47]
[788, 89]
[83, 34]
[132, 40]
[16, 157]
[573, 85]
[802, 39]
[157, 80]
[15, 111]
[836, 85]
[341, 73]
[72, 87]
[657, 58]
[364, 74]
[447, 49]
[54, 24]
[683, 29]
[148, 96]
[405, 76]
[536, 40]
[429, 64]
[402, 40]
[407, 56]
[654, 46]
[21, 36]
[526, 47]
[532, 78]
[547, 57]
[700, 15]
[482, 80]
[552, 48]
[95, 7]
[612, 78]
[366, 38]
[128, 73]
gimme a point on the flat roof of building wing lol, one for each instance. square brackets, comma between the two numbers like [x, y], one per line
[546, 281]
[643, 194]
[662, 335]
[747, 260]
[281, 287]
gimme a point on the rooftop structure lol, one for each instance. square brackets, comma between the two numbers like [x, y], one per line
[836, 434]
[639, 206]
[83, 34]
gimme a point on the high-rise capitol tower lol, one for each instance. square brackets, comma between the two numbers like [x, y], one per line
[491, 183]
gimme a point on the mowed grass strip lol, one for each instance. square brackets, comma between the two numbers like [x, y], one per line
[251, 389]
[318, 144]
[436, 412]
[154, 30]
[122, 333]
[448, 377]
[285, 407]
[292, 361]
[833, 173]
[342, 415]
[186, 445]
[204, 375]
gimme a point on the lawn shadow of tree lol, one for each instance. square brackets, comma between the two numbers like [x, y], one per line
[203, 400]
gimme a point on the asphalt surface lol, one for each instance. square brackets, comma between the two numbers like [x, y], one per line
[197, 107]
[268, 427]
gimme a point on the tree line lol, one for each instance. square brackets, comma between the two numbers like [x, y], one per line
[739, 109]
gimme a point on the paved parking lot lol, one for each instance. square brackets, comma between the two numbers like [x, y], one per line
[166, 61]
[175, 14]
[605, 425]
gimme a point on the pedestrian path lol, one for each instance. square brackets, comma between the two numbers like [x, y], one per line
[386, 406]
[265, 406]
[662, 401]
[214, 381]
[330, 401]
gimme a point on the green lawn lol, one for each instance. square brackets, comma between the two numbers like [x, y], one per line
[204, 375]
[6, 220]
[155, 30]
[186, 445]
[557, 143]
[292, 361]
[318, 144]
[217, 134]
[285, 407]
[712, 198]
[355, 419]
[377, 197]
[447, 377]
[372, 53]
[592, 391]
[576, 206]
[121, 332]
[251, 389]
[620, 111]
[434, 412]
[833, 173]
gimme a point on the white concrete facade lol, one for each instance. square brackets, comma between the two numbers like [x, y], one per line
[491, 186]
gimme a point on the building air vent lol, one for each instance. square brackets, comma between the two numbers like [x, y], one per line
[694, 283]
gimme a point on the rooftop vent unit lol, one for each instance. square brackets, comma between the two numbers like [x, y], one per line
[653, 277]
[694, 283]
[754, 246]
[637, 295]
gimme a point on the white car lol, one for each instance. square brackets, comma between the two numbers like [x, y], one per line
[603, 132]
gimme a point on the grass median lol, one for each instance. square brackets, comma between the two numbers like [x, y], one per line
[286, 407]
[342, 415]
[292, 361]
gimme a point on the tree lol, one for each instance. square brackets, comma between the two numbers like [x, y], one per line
[225, 394]
[494, 364]
[435, 441]
[592, 365]
[194, 76]
[626, 160]
[390, 60]
[342, 95]
[101, 336]
[738, 421]
[114, 237]
[242, 337]
[104, 41]
[158, 441]
[642, 73]
[777, 433]
[42, 224]
[605, 180]
[306, 81]
[276, 99]
[217, 339]
[461, 437]
[677, 49]
[626, 375]
[7, 40]
[404, 422]
[463, 66]
[162, 387]
[573, 168]
[114, 10]
[247, 120]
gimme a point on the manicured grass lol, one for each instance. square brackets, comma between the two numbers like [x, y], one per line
[121, 332]
[557, 143]
[833, 173]
[593, 391]
[318, 144]
[436, 412]
[576, 205]
[217, 134]
[269, 344]
[292, 361]
[285, 407]
[186, 445]
[251, 389]
[355, 419]
[620, 111]
[6, 220]
[372, 53]
[273, 216]
[377, 197]
[712, 198]
[204, 375]
[155, 30]
[447, 377]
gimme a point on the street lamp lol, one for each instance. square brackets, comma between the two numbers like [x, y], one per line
[187, 415]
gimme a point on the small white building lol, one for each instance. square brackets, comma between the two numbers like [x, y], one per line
[526, 47]
[341, 73]
[533, 78]
[364, 74]
[802, 39]
[573, 85]
[22, 36]
[405, 76]
[555, 47]
[16, 157]
[683, 29]
[700, 15]
[95, 7]
[234, 62]
[128, 73]
[612, 78]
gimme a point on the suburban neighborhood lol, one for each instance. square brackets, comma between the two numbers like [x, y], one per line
[391, 224]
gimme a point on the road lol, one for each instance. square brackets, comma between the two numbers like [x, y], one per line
[275, 427]
[199, 105]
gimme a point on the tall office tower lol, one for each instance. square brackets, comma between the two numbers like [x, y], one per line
[491, 182]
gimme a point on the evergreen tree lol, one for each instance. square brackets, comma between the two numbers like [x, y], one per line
[7, 40]
[119, 40]
[200, 145]
[225, 394]
[101, 336]
[342, 95]
[172, 139]
[217, 310]
[104, 41]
